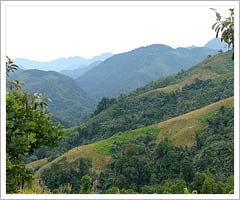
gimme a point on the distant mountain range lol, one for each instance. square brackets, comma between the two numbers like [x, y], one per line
[61, 63]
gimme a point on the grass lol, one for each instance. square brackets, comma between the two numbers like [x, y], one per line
[37, 164]
[104, 146]
[181, 130]
[202, 74]
[204, 118]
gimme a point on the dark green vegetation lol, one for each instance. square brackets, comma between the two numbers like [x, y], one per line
[28, 126]
[141, 165]
[69, 103]
[61, 174]
[127, 71]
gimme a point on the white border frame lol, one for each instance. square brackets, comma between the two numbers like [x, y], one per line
[4, 4]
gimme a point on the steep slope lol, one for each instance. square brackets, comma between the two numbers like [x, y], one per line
[68, 101]
[127, 71]
[180, 130]
[203, 84]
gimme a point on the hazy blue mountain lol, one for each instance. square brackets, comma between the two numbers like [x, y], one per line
[101, 57]
[75, 73]
[68, 101]
[61, 63]
[216, 44]
[124, 72]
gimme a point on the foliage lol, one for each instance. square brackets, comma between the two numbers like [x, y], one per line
[63, 172]
[225, 27]
[104, 104]
[85, 187]
[146, 167]
[28, 126]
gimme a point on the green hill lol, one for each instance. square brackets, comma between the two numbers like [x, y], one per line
[170, 157]
[180, 130]
[203, 84]
[127, 71]
[68, 101]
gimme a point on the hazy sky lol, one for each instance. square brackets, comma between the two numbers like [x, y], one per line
[48, 32]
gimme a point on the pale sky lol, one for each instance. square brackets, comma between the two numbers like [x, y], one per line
[45, 33]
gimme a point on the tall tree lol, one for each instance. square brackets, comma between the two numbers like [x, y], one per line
[28, 126]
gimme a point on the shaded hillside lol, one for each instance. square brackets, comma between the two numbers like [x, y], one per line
[127, 71]
[68, 101]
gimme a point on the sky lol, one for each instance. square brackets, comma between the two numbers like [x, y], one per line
[45, 33]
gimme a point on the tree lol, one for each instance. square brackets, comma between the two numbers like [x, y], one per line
[208, 185]
[28, 126]
[113, 190]
[86, 186]
[226, 28]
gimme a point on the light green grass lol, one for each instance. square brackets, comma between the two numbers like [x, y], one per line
[104, 146]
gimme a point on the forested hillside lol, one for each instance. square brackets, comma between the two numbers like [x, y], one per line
[156, 152]
[68, 103]
[125, 72]
[203, 84]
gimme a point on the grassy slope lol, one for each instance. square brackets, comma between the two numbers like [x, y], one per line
[181, 130]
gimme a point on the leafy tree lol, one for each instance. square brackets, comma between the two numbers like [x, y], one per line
[28, 126]
[230, 185]
[104, 104]
[85, 187]
[225, 27]
[208, 185]
[113, 190]
[63, 172]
